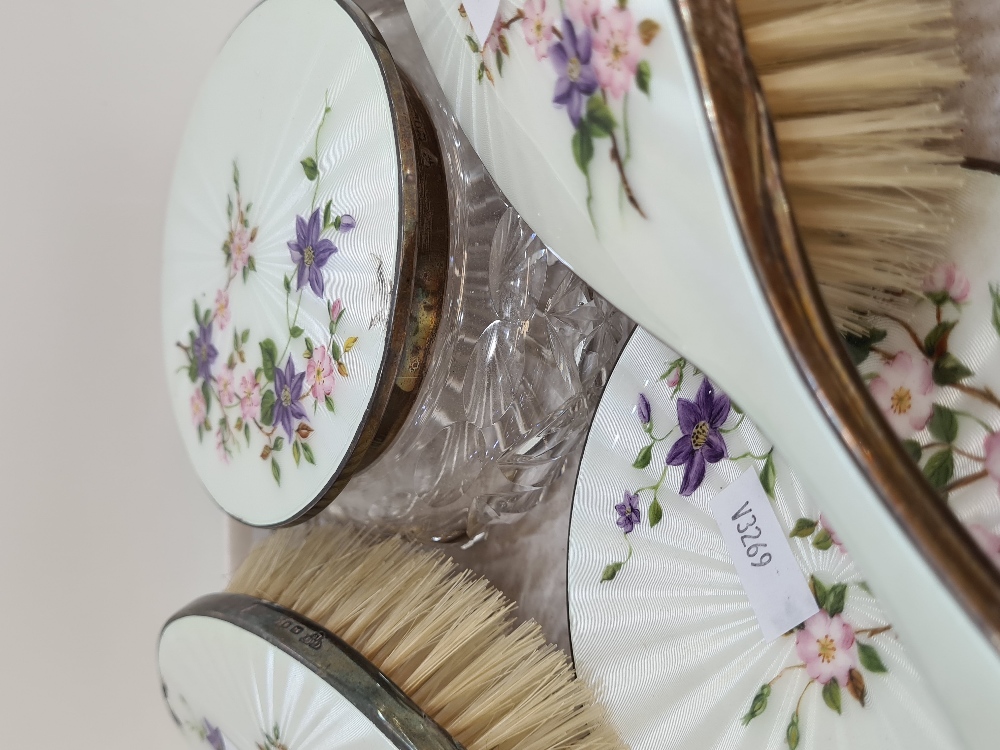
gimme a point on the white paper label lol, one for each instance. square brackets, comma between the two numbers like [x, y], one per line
[774, 583]
[482, 14]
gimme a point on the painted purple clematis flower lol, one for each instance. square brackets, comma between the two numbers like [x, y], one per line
[347, 223]
[643, 409]
[628, 512]
[576, 77]
[214, 737]
[288, 390]
[310, 252]
[701, 442]
[204, 351]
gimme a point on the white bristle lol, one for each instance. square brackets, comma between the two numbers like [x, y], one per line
[446, 638]
[868, 150]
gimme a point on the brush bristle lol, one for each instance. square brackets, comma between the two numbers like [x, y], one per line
[447, 638]
[855, 89]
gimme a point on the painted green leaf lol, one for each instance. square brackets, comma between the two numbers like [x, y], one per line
[287, 282]
[499, 63]
[206, 391]
[251, 263]
[276, 471]
[307, 452]
[822, 540]
[267, 407]
[473, 45]
[863, 585]
[820, 591]
[948, 370]
[246, 434]
[936, 342]
[327, 210]
[644, 457]
[803, 528]
[269, 356]
[246, 273]
[859, 346]
[913, 449]
[600, 120]
[758, 705]
[279, 443]
[939, 298]
[944, 424]
[296, 332]
[329, 404]
[583, 147]
[310, 168]
[792, 733]
[335, 351]
[336, 222]
[193, 371]
[229, 206]
[870, 659]
[655, 513]
[296, 453]
[995, 294]
[642, 76]
[768, 475]
[831, 694]
[835, 599]
[481, 71]
[940, 468]
[610, 571]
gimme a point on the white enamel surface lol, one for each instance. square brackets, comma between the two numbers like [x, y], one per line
[684, 275]
[261, 106]
[671, 643]
[218, 673]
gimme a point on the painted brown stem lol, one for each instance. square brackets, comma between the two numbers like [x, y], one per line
[983, 394]
[874, 631]
[616, 157]
[906, 327]
[964, 481]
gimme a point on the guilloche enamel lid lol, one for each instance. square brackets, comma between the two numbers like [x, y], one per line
[238, 672]
[306, 188]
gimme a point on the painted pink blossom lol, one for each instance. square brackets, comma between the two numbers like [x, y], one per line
[336, 309]
[827, 647]
[537, 27]
[493, 40]
[616, 52]
[239, 246]
[225, 381]
[319, 373]
[833, 534]
[198, 410]
[991, 447]
[249, 398]
[989, 542]
[222, 312]
[904, 390]
[674, 377]
[583, 11]
[947, 282]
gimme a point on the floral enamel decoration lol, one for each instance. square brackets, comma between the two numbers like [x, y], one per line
[913, 384]
[252, 393]
[272, 740]
[202, 730]
[701, 423]
[832, 656]
[595, 55]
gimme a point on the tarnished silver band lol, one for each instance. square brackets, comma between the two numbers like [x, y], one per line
[335, 662]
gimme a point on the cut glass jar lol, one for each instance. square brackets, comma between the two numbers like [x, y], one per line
[351, 310]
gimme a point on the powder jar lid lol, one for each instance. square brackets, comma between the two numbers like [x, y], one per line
[238, 672]
[308, 204]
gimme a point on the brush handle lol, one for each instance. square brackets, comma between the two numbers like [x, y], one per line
[718, 245]
[785, 366]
